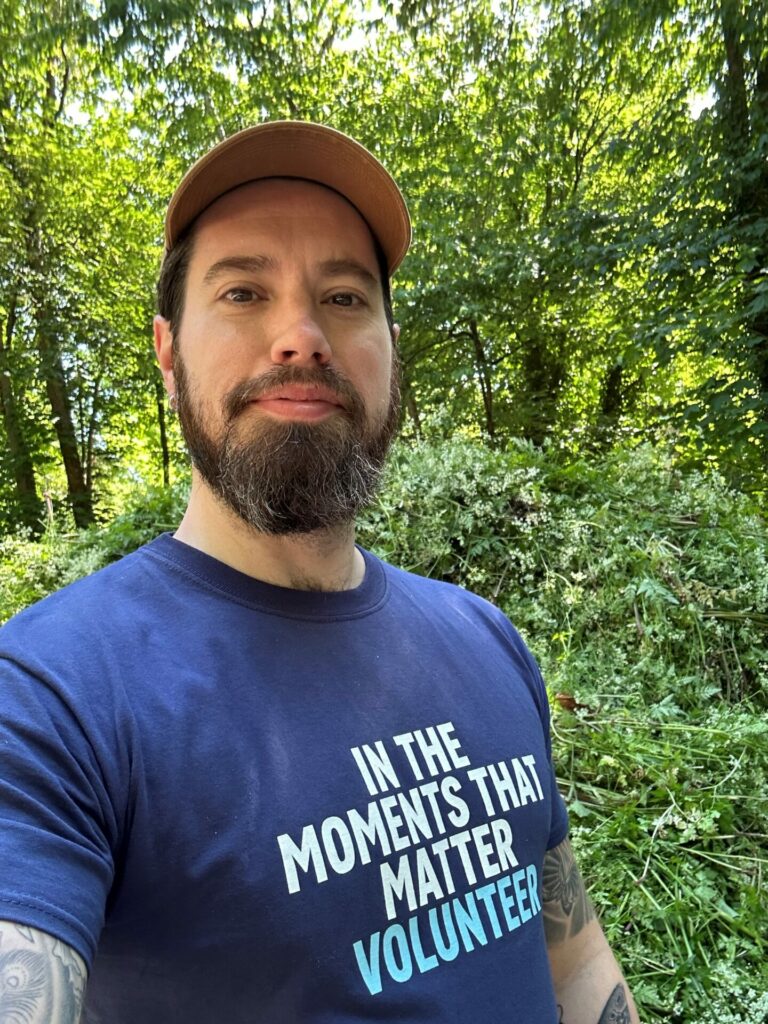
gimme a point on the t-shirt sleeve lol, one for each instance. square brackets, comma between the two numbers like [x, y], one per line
[530, 669]
[57, 822]
[559, 829]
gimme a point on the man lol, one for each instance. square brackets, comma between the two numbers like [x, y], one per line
[251, 773]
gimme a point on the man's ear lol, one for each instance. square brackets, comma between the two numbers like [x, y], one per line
[164, 351]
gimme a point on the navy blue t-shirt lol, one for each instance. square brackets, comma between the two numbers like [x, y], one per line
[245, 803]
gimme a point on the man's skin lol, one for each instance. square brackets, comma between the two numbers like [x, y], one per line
[589, 985]
[305, 311]
[42, 980]
[285, 273]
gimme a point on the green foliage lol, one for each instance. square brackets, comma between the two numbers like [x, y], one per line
[588, 185]
[643, 589]
[647, 571]
[670, 825]
[30, 569]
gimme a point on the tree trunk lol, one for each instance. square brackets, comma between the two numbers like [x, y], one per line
[759, 325]
[750, 198]
[543, 378]
[612, 399]
[413, 411]
[736, 105]
[51, 364]
[484, 377]
[52, 370]
[20, 456]
[87, 455]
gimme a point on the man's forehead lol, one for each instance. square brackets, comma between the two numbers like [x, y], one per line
[269, 212]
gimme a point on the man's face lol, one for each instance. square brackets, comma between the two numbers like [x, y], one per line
[283, 363]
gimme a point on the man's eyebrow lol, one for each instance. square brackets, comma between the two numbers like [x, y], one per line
[248, 264]
[338, 268]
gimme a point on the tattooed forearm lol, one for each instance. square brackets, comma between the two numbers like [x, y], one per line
[41, 979]
[616, 1009]
[565, 903]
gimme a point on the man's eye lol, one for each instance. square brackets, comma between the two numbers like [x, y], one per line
[240, 295]
[345, 299]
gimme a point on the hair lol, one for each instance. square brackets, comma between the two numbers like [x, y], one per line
[172, 280]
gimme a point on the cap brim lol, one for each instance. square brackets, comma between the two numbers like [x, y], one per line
[296, 149]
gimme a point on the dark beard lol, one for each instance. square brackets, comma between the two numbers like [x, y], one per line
[282, 477]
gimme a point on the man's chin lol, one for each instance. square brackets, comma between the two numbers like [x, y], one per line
[265, 431]
[266, 514]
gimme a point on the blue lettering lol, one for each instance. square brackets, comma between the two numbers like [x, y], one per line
[369, 966]
[424, 963]
[469, 923]
[402, 971]
[517, 879]
[486, 895]
[448, 949]
[507, 903]
[533, 887]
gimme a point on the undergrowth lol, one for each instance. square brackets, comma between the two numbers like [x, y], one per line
[643, 591]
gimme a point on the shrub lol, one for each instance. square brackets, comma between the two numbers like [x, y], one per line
[643, 590]
[31, 569]
[644, 593]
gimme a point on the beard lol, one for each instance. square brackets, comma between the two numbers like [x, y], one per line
[289, 477]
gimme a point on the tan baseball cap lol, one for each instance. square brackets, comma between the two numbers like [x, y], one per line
[296, 149]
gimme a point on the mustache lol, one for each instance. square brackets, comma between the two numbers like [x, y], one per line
[238, 397]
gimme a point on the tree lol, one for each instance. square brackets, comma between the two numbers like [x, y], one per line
[588, 258]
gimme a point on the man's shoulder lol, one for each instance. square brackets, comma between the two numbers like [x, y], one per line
[439, 595]
[85, 605]
[464, 622]
[465, 614]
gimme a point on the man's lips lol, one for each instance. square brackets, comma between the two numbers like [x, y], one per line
[297, 401]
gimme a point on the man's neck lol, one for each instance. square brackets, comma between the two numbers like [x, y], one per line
[323, 560]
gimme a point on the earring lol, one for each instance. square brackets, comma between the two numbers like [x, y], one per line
[172, 404]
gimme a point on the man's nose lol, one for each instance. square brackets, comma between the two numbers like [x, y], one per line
[303, 343]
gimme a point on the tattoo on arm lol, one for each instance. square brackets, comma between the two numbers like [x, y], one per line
[616, 1010]
[42, 980]
[565, 903]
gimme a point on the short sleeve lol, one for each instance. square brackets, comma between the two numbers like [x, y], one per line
[559, 817]
[56, 865]
[559, 830]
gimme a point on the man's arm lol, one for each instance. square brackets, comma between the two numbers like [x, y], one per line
[589, 985]
[42, 980]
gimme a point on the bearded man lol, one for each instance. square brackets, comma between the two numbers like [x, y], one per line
[251, 772]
